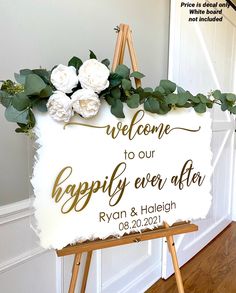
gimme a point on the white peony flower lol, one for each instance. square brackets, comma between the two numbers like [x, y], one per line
[60, 107]
[86, 103]
[64, 78]
[94, 75]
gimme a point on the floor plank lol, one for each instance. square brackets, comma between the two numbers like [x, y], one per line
[212, 270]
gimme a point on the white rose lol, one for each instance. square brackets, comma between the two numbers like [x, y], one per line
[64, 78]
[86, 103]
[60, 107]
[94, 75]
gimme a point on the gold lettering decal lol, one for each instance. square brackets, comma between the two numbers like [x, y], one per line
[135, 128]
[77, 197]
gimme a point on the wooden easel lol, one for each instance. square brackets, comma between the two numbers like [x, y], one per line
[124, 36]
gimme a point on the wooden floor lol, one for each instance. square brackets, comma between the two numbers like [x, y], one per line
[212, 270]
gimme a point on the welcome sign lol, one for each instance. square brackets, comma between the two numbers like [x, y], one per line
[107, 176]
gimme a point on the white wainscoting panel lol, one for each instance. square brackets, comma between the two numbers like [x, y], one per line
[24, 266]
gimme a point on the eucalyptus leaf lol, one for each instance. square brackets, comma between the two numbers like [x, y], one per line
[160, 89]
[172, 99]
[25, 72]
[115, 79]
[194, 99]
[21, 130]
[200, 108]
[183, 98]
[126, 84]
[34, 84]
[117, 109]
[5, 99]
[209, 104]
[231, 97]
[137, 74]
[233, 110]
[115, 92]
[157, 94]
[43, 73]
[13, 115]
[164, 108]
[224, 106]
[217, 94]
[168, 86]
[31, 119]
[46, 92]
[133, 101]
[202, 98]
[122, 70]
[110, 100]
[180, 90]
[20, 101]
[152, 105]
[19, 78]
[41, 105]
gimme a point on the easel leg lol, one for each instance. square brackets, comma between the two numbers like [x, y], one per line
[86, 271]
[75, 272]
[172, 250]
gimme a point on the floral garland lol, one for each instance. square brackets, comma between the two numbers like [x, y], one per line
[79, 87]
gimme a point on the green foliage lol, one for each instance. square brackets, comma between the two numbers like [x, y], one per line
[76, 62]
[152, 105]
[200, 108]
[33, 88]
[92, 55]
[117, 108]
[114, 79]
[20, 101]
[126, 84]
[5, 98]
[168, 86]
[11, 87]
[231, 97]
[137, 74]
[116, 93]
[13, 115]
[133, 101]
[180, 90]
[106, 62]
[123, 71]
[34, 85]
[41, 105]
[172, 99]
[183, 97]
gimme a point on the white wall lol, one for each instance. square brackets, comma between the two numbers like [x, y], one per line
[45, 33]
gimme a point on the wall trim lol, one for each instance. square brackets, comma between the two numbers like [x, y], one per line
[59, 274]
[20, 259]
[124, 272]
[152, 274]
[16, 211]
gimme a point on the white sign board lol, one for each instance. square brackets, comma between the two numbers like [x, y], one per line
[107, 176]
